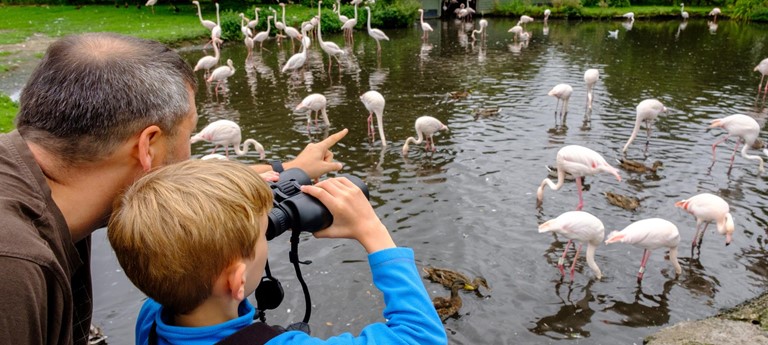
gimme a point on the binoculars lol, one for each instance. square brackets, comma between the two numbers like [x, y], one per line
[293, 209]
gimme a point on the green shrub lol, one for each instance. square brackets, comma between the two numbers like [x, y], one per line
[513, 8]
[230, 26]
[618, 3]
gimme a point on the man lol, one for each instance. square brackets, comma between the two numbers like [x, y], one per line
[100, 111]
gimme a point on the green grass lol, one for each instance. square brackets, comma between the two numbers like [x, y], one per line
[8, 110]
[666, 12]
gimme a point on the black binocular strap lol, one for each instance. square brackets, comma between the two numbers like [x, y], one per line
[257, 333]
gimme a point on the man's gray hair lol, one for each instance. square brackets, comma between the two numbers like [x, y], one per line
[92, 92]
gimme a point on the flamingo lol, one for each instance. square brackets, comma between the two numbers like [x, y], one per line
[221, 74]
[349, 26]
[426, 127]
[377, 34]
[252, 24]
[330, 48]
[516, 30]
[580, 226]
[244, 26]
[762, 67]
[715, 11]
[563, 93]
[647, 111]
[590, 78]
[709, 208]
[206, 23]
[262, 36]
[483, 24]
[226, 133]
[424, 26]
[279, 25]
[374, 102]
[297, 60]
[578, 161]
[315, 103]
[337, 9]
[743, 126]
[630, 16]
[289, 30]
[524, 19]
[151, 4]
[650, 234]
[547, 13]
[207, 62]
[682, 11]
[216, 31]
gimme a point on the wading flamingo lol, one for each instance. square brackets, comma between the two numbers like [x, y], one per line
[207, 62]
[377, 34]
[591, 77]
[630, 16]
[226, 133]
[280, 26]
[252, 24]
[516, 30]
[483, 24]
[206, 23]
[563, 93]
[337, 9]
[262, 36]
[715, 11]
[314, 103]
[524, 20]
[578, 161]
[424, 26]
[762, 67]
[547, 13]
[708, 208]
[647, 111]
[332, 49]
[289, 30]
[580, 226]
[349, 26]
[650, 234]
[426, 127]
[221, 74]
[743, 126]
[682, 11]
[216, 31]
[297, 60]
[151, 4]
[374, 103]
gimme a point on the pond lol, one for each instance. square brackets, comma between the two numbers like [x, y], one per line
[471, 205]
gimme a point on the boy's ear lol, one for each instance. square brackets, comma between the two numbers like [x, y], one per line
[236, 280]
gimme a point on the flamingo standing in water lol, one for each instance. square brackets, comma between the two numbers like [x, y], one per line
[563, 93]
[578, 161]
[590, 78]
[337, 9]
[580, 226]
[332, 49]
[262, 36]
[650, 234]
[483, 24]
[377, 34]
[207, 62]
[374, 102]
[743, 126]
[547, 13]
[297, 60]
[709, 208]
[426, 127]
[647, 111]
[349, 25]
[280, 26]
[424, 26]
[206, 23]
[289, 30]
[226, 133]
[762, 67]
[216, 31]
[682, 11]
[315, 103]
[221, 74]
[630, 16]
[715, 11]
[252, 23]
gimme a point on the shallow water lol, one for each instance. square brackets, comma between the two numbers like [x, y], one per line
[471, 205]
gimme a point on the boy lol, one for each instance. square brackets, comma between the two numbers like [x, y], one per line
[191, 236]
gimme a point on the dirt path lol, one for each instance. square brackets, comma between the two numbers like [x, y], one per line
[21, 59]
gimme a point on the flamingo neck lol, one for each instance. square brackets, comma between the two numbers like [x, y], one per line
[246, 146]
[199, 14]
[216, 50]
[552, 185]
[268, 27]
[673, 259]
[422, 18]
[355, 11]
[751, 157]
[369, 18]
[380, 122]
[591, 259]
[256, 13]
[284, 15]
[218, 19]
[634, 133]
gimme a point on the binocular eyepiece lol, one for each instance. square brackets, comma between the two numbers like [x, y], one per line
[293, 209]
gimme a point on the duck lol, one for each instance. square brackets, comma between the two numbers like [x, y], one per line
[459, 94]
[626, 202]
[446, 277]
[758, 144]
[448, 307]
[640, 167]
[485, 112]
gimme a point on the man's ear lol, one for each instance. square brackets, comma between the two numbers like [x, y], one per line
[149, 147]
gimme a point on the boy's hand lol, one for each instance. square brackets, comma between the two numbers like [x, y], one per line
[317, 159]
[270, 176]
[353, 216]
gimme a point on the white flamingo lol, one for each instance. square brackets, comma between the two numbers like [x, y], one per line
[206, 23]
[315, 103]
[708, 208]
[682, 11]
[374, 102]
[647, 111]
[262, 36]
[424, 26]
[332, 49]
[337, 9]
[252, 24]
[216, 31]
[563, 93]
[289, 30]
[247, 32]
[349, 25]
[524, 20]
[580, 226]
[221, 74]
[630, 16]
[591, 77]
[578, 161]
[715, 12]
[483, 24]
[426, 127]
[280, 26]
[742, 126]
[650, 234]
[207, 62]
[377, 34]
[226, 133]
[297, 60]
[762, 67]
[547, 13]
[516, 30]
[151, 4]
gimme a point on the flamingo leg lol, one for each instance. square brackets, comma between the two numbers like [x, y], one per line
[701, 236]
[578, 188]
[733, 156]
[370, 125]
[573, 265]
[562, 258]
[378, 46]
[647, 133]
[718, 143]
[761, 83]
[646, 255]
[766, 87]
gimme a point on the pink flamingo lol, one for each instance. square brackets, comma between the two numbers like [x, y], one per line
[591, 76]
[762, 67]
[221, 74]
[647, 111]
[349, 25]
[314, 103]
[262, 36]
[426, 127]
[650, 234]
[424, 26]
[563, 93]
[580, 226]
[374, 102]
[709, 208]
[226, 133]
[330, 48]
[578, 161]
[207, 62]
[206, 23]
[743, 126]
[715, 11]
[376, 34]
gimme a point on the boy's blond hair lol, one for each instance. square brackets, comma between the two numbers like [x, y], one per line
[177, 228]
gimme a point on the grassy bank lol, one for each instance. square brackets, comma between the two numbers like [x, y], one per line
[8, 110]
[575, 11]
